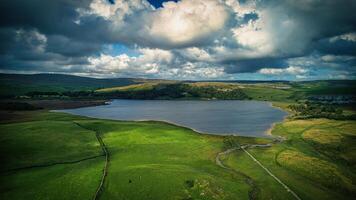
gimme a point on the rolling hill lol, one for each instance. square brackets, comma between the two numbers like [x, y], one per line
[19, 84]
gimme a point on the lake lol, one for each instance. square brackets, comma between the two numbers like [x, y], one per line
[246, 118]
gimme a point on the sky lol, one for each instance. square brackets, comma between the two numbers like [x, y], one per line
[183, 39]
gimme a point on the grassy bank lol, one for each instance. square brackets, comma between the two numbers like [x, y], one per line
[148, 160]
[57, 156]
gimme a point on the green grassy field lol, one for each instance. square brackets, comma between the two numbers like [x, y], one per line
[67, 181]
[157, 161]
[314, 165]
[148, 160]
[43, 142]
[154, 160]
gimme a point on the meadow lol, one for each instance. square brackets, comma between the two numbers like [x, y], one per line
[148, 160]
[57, 156]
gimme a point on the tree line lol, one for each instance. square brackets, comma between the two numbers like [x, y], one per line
[160, 91]
[309, 110]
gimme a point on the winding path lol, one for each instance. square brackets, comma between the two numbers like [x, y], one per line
[220, 163]
[253, 193]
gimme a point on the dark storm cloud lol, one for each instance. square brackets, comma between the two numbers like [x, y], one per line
[6, 39]
[47, 16]
[299, 28]
[38, 35]
[44, 63]
[55, 17]
[52, 17]
[71, 47]
[314, 21]
[63, 34]
[253, 65]
[329, 17]
[337, 47]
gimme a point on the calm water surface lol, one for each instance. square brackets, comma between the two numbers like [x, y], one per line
[248, 118]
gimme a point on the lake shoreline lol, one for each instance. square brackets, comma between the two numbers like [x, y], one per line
[269, 131]
[216, 118]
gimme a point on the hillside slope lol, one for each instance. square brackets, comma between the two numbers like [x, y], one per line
[19, 84]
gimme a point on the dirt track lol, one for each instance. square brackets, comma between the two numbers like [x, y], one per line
[220, 163]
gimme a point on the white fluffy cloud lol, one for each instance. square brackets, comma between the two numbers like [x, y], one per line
[109, 64]
[201, 38]
[149, 62]
[293, 70]
[155, 55]
[116, 11]
[252, 35]
[181, 23]
[154, 63]
[348, 37]
[192, 71]
[187, 21]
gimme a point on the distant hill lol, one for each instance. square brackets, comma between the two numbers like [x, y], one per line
[19, 84]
